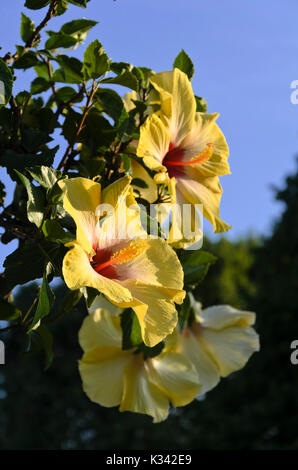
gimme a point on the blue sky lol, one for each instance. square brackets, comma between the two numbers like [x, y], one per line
[245, 56]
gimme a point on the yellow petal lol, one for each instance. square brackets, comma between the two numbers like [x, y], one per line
[100, 329]
[205, 131]
[225, 316]
[206, 192]
[82, 196]
[230, 348]
[123, 215]
[154, 308]
[181, 112]
[207, 370]
[154, 142]
[77, 273]
[176, 377]
[150, 192]
[102, 370]
[102, 303]
[140, 395]
[159, 265]
[115, 193]
[186, 230]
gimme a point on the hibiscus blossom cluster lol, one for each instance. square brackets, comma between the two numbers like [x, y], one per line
[147, 342]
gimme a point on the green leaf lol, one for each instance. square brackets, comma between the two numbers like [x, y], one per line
[62, 7]
[27, 27]
[45, 176]
[152, 352]
[46, 343]
[131, 329]
[127, 79]
[70, 71]
[36, 201]
[24, 264]
[38, 85]
[96, 61]
[53, 231]
[201, 104]
[78, 28]
[42, 71]
[110, 102]
[60, 39]
[36, 4]
[23, 98]
[33, 139]
[54, 194]
[79, 3]
[6, 117]
[67, 93]
[196, 265]
[90, 294]
[45, 302]
[8, 311]
[26, 61]
[184, 311]
[184, 63]
[6, 82]
[11, 160]
[70, 301]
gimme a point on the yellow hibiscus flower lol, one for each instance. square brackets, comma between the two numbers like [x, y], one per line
[144, 274]
[186, 144]
[219, 341]
[112, 376]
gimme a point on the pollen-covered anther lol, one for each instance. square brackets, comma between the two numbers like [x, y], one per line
[124, 255]
[204, 155]
[128, 253]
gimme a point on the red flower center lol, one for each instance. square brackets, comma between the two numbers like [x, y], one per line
[104, 261]
[174, 162]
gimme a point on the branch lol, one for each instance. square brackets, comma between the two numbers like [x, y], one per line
[8, 58]
[69, 149]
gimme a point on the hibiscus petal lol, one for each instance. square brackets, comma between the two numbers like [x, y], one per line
[102, 372]
[78, 272]
[154, 142]
[147, 266]
[154, 308]
[140, 395]
[100, 329]
[181, 113]
[230, 348]
[224, 316]
[207, 192]
[150, 192]
[82, 196]
[205, 131]
[207, 370]
[176, 377]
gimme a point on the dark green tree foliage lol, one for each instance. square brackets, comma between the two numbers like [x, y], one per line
[228, 281]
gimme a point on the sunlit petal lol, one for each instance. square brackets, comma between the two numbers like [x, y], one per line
[82, 196]
[78, 272]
